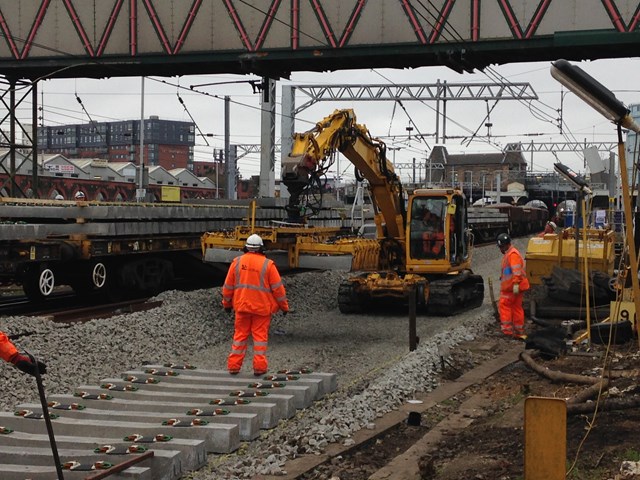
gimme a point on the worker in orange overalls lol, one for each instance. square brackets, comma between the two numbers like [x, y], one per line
[433, 236]
[254, 289]
[513, 283]
[9, 353]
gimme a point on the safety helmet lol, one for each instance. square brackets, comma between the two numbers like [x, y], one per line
[254, 243]
[503, 239]
[59, 197]
[552, 225]
[79, 196]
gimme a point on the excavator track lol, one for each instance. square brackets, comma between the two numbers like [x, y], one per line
[348, 299]
[453, 294]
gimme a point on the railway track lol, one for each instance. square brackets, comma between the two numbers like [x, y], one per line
[71, 309]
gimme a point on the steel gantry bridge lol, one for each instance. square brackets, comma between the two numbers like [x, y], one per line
[74, 38]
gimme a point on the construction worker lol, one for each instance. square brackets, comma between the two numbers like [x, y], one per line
[9, 353]
[550, 227]
[433, 236]
[513, 283]
[254, 289]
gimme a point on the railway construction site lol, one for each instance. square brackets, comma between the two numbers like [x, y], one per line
[453, 408]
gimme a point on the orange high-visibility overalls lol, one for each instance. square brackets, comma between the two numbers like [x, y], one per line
[7, 349]
[510, 304]
[254, 289]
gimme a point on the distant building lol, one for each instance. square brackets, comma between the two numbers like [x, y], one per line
[167, 143]
[476, 173]
[98, 179]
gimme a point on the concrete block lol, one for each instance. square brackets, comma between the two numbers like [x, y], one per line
[286, 404]
[219, 438]
[266, 413]
[304, 394]
[164, 465]
[35, 472]
[213, 377]
[329, 380]
[246, 422]
[193, 452]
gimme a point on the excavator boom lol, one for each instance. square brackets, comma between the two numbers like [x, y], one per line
[313, 153]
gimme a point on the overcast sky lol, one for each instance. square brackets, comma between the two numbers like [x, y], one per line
[119, 99]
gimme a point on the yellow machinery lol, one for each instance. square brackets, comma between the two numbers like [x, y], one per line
[543, 253]
[410, 254]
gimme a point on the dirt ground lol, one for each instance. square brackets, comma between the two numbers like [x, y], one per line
[492, 447]
[597, 444]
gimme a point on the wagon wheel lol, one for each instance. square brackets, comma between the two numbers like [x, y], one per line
[39, 283]
[99, 275]
[93, 279]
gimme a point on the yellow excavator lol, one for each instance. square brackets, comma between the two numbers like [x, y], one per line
[422, 245]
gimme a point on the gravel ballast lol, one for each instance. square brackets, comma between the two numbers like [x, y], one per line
[369, 353]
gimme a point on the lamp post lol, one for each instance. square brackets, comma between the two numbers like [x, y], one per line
[605, 102]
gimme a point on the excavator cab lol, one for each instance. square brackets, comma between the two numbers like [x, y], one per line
[437, 234]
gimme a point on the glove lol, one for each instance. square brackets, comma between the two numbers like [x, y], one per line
[26, 365]
[227, 309]
[516, 288]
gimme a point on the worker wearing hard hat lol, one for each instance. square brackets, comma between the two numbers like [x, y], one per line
[254, 289]
[513, 283]
[550, 227]
[433, 235]
[24, 363]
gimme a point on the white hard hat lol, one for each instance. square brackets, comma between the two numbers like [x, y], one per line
[552, 225]
[79, 195]
[59, 197]
[254, 243]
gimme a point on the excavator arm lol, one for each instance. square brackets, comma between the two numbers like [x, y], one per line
[313, 152]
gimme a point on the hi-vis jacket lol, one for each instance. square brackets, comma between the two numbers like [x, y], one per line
[253, 285]
[513, 271]
[7, 349]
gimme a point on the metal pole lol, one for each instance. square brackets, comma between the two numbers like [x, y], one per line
[438, 111]
[47, 418]
[227, 153]
[626, 199]
[413, 337]
[444, 114]
[414, 170]
[34, 140]
[484, 175]
[13, 187]
[576, 217]
[141, 194]
[215, 162]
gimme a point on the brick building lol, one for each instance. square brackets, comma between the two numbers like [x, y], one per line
[478, 172]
